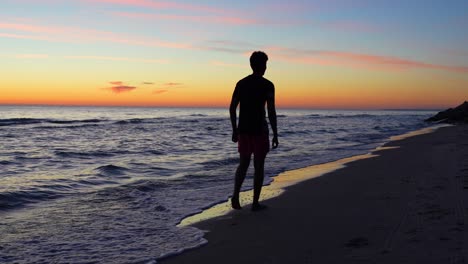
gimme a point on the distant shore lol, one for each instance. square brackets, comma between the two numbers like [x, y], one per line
[408, 204]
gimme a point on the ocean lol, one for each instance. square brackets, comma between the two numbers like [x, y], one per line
[110, 184]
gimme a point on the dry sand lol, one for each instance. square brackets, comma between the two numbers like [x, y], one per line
[406, 205]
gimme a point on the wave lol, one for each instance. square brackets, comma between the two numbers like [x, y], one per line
[219, 163]
[30, 121]
[215, 119]
[66, 127]
[11, 200]
[92, 154]
[78, 122]
[75, 121]
[364, 138]
[20, 121]
[154, 152]
[146, 185]
[6, 162]
[192, 120]
[344, 116]
[111, 170]
[130, 121]
[53, 190]
[139, 121]
[292, 132]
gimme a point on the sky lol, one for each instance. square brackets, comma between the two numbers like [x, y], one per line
[323, 54]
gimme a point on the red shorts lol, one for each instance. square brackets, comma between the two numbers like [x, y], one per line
[259, 145]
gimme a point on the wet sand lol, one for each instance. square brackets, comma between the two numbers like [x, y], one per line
[406, 204]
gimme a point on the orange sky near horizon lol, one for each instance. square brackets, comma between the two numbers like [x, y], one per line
[349, 89]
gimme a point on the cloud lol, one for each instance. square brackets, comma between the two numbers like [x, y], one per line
[225, 49]
[147, 83]
[454, 52]
[353, 60]
[159, 5]
[229, 46]
[160, 91]
[224, 64]
[119, 87]
[32, 56]
[225, 42]
[352, 26]
[325, 57]
[78, 34]
[173, 84]
[122, 88]
[219, 19]
[18, 36]
[32, 28]
[108, 58]
[166, 86]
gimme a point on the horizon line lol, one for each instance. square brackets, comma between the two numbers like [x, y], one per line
[227, 106]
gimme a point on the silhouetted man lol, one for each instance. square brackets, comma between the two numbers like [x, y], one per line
[252, 93]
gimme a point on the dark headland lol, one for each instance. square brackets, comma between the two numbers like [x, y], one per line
[455, 115]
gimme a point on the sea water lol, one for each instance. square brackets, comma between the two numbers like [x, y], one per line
[109, 185]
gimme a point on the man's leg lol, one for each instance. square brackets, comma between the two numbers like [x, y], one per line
[259, 164]
[240, 176]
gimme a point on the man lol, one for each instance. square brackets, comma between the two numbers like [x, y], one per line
[252, 93]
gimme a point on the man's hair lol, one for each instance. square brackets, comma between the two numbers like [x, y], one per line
[258, 60]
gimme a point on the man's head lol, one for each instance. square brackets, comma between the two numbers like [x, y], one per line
[258, 61]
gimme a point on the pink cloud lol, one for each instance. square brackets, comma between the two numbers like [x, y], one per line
[32, 56]
[229, 46]
[352, 26]
[230, 20]
[172, 84]
[115, 59]
[31, 28]
[166, 87]
[147, 4]
[453, 52]
[160, 91]
[119, 87]
[393, 62]
[338, 58]
[18, 36]
[224, 64]
[284, 7]
[159, 5]
[122, 88]
[69, 34]
[148, 42]
[231, 43]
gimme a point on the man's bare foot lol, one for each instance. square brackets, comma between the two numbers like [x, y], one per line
[235, 204]
[258, 207]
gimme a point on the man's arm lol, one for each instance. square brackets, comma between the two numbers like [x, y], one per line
[272, 117]
[233, 114]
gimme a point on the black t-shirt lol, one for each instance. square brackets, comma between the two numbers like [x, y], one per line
[253, 92]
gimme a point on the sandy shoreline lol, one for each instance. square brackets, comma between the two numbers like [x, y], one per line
[407, 205]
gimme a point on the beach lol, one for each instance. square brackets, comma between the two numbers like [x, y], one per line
[406, 203]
